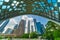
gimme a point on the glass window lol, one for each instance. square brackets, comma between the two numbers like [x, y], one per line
[34, 8]
[1, 3]
[8, 7]
[21, 5]
[12, 4]
[48, 8]
[1, 0]
[58, 4]
[24, 10]
[19, 9]
[46, 11]
[49, 1]
[17, 3]
[36, 2]
[59, 9]
[42, 4]
[4, 7]
[14, 7]
[6, 0]
[58, 0]
[55, 4]
[54, 1]
[51, 8]
[14, 1]
[22, 2]
[56, 12]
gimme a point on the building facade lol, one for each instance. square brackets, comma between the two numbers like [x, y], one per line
[3, 25]
[40, 28]
[26, 25]
[29, 25]
[20, 29]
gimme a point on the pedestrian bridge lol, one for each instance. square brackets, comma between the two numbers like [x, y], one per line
[46, 8]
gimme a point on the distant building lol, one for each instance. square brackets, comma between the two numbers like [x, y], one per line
[35, 23]
[3, 25]
[40, 28]
[26, 25]
[29, 25]
[8, 31]
[20, 30]
[16, 26]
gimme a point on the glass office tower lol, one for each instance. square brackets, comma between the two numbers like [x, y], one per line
[40, 28]
[3, 25]
[45, 8]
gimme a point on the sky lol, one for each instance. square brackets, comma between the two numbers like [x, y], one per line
[16, 20]
[38, 19]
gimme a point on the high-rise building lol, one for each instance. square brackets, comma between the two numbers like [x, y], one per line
[11, 25]
[40, 28]
[20, 30]
[29, 25]
[32, 25]
[3, 24]
[8, 31]
[35, 23]
[16, 26]
[26, 25]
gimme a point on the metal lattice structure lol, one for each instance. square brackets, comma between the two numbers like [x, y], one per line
[45, 8]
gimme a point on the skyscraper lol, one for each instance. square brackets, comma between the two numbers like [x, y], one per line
[20, 30]
[29, 25]
[16, 26]
[3, 24]
[8, 31]
[26, 25]
[40, 28]
[32, 25]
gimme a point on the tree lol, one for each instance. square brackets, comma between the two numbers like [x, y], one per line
[25, 36]
[30, 35]
[33, 35]
[51, 30]
[56, 34]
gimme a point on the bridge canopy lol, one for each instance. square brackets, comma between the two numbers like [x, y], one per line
[45, 8]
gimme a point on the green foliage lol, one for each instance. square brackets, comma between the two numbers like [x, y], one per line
[57, 39]
[33, 35]
[52, 34]
[25, 36]
[1, 37]
[56, 34]
[30, 35]
[8, 38]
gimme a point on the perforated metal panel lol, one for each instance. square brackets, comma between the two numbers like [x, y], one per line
[46, 8]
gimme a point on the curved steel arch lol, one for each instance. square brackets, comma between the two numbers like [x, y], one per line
[45, 8]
